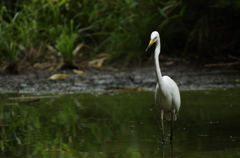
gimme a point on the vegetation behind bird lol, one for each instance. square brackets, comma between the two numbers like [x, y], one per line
[51, 31]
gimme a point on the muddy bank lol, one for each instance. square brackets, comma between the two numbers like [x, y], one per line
[187, 76]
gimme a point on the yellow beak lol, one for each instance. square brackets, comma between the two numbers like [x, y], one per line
[150, 44]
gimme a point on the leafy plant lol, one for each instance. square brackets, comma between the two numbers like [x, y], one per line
[65, 43]
[119, 29]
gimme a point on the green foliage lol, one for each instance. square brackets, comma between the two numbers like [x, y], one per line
[118, 28]
[65, 43]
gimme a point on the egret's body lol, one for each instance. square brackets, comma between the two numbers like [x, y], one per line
[167, 96]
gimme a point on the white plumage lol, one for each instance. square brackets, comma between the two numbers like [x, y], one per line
[167, 96]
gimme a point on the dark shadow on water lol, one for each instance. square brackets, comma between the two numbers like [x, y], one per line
[120, 125]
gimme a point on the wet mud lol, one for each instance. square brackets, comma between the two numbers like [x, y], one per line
[187, 76]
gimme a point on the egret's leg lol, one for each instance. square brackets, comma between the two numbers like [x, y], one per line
[163, 150]
[172, 120]
[163, 139]
[171, 143]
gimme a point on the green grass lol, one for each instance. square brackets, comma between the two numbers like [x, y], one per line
[81, 30]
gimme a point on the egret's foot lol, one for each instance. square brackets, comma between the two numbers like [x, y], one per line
[163, 141]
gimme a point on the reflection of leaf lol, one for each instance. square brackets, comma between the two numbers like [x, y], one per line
[79, 72]
[58, 76]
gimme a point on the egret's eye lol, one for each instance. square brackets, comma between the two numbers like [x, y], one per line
[155, 39]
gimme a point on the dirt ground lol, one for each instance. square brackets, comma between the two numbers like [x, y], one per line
[188, 77]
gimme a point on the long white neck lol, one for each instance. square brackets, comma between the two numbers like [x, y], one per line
[156, 58]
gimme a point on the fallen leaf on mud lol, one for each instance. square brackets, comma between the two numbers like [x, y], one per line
[58, 77]
[6, 82]
[97, 62]
[42, 66]
[79, 72]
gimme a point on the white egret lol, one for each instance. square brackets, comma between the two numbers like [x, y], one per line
[167, 96]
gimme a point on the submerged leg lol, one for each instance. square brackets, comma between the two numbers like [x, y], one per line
[171, 143]
[163, 150]
[172, 120]
[163, 139]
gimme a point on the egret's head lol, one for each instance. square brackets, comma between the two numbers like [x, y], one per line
[153, 39]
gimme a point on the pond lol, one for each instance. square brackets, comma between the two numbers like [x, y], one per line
[118, 124]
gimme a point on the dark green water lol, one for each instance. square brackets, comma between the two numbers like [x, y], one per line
[118, 126]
